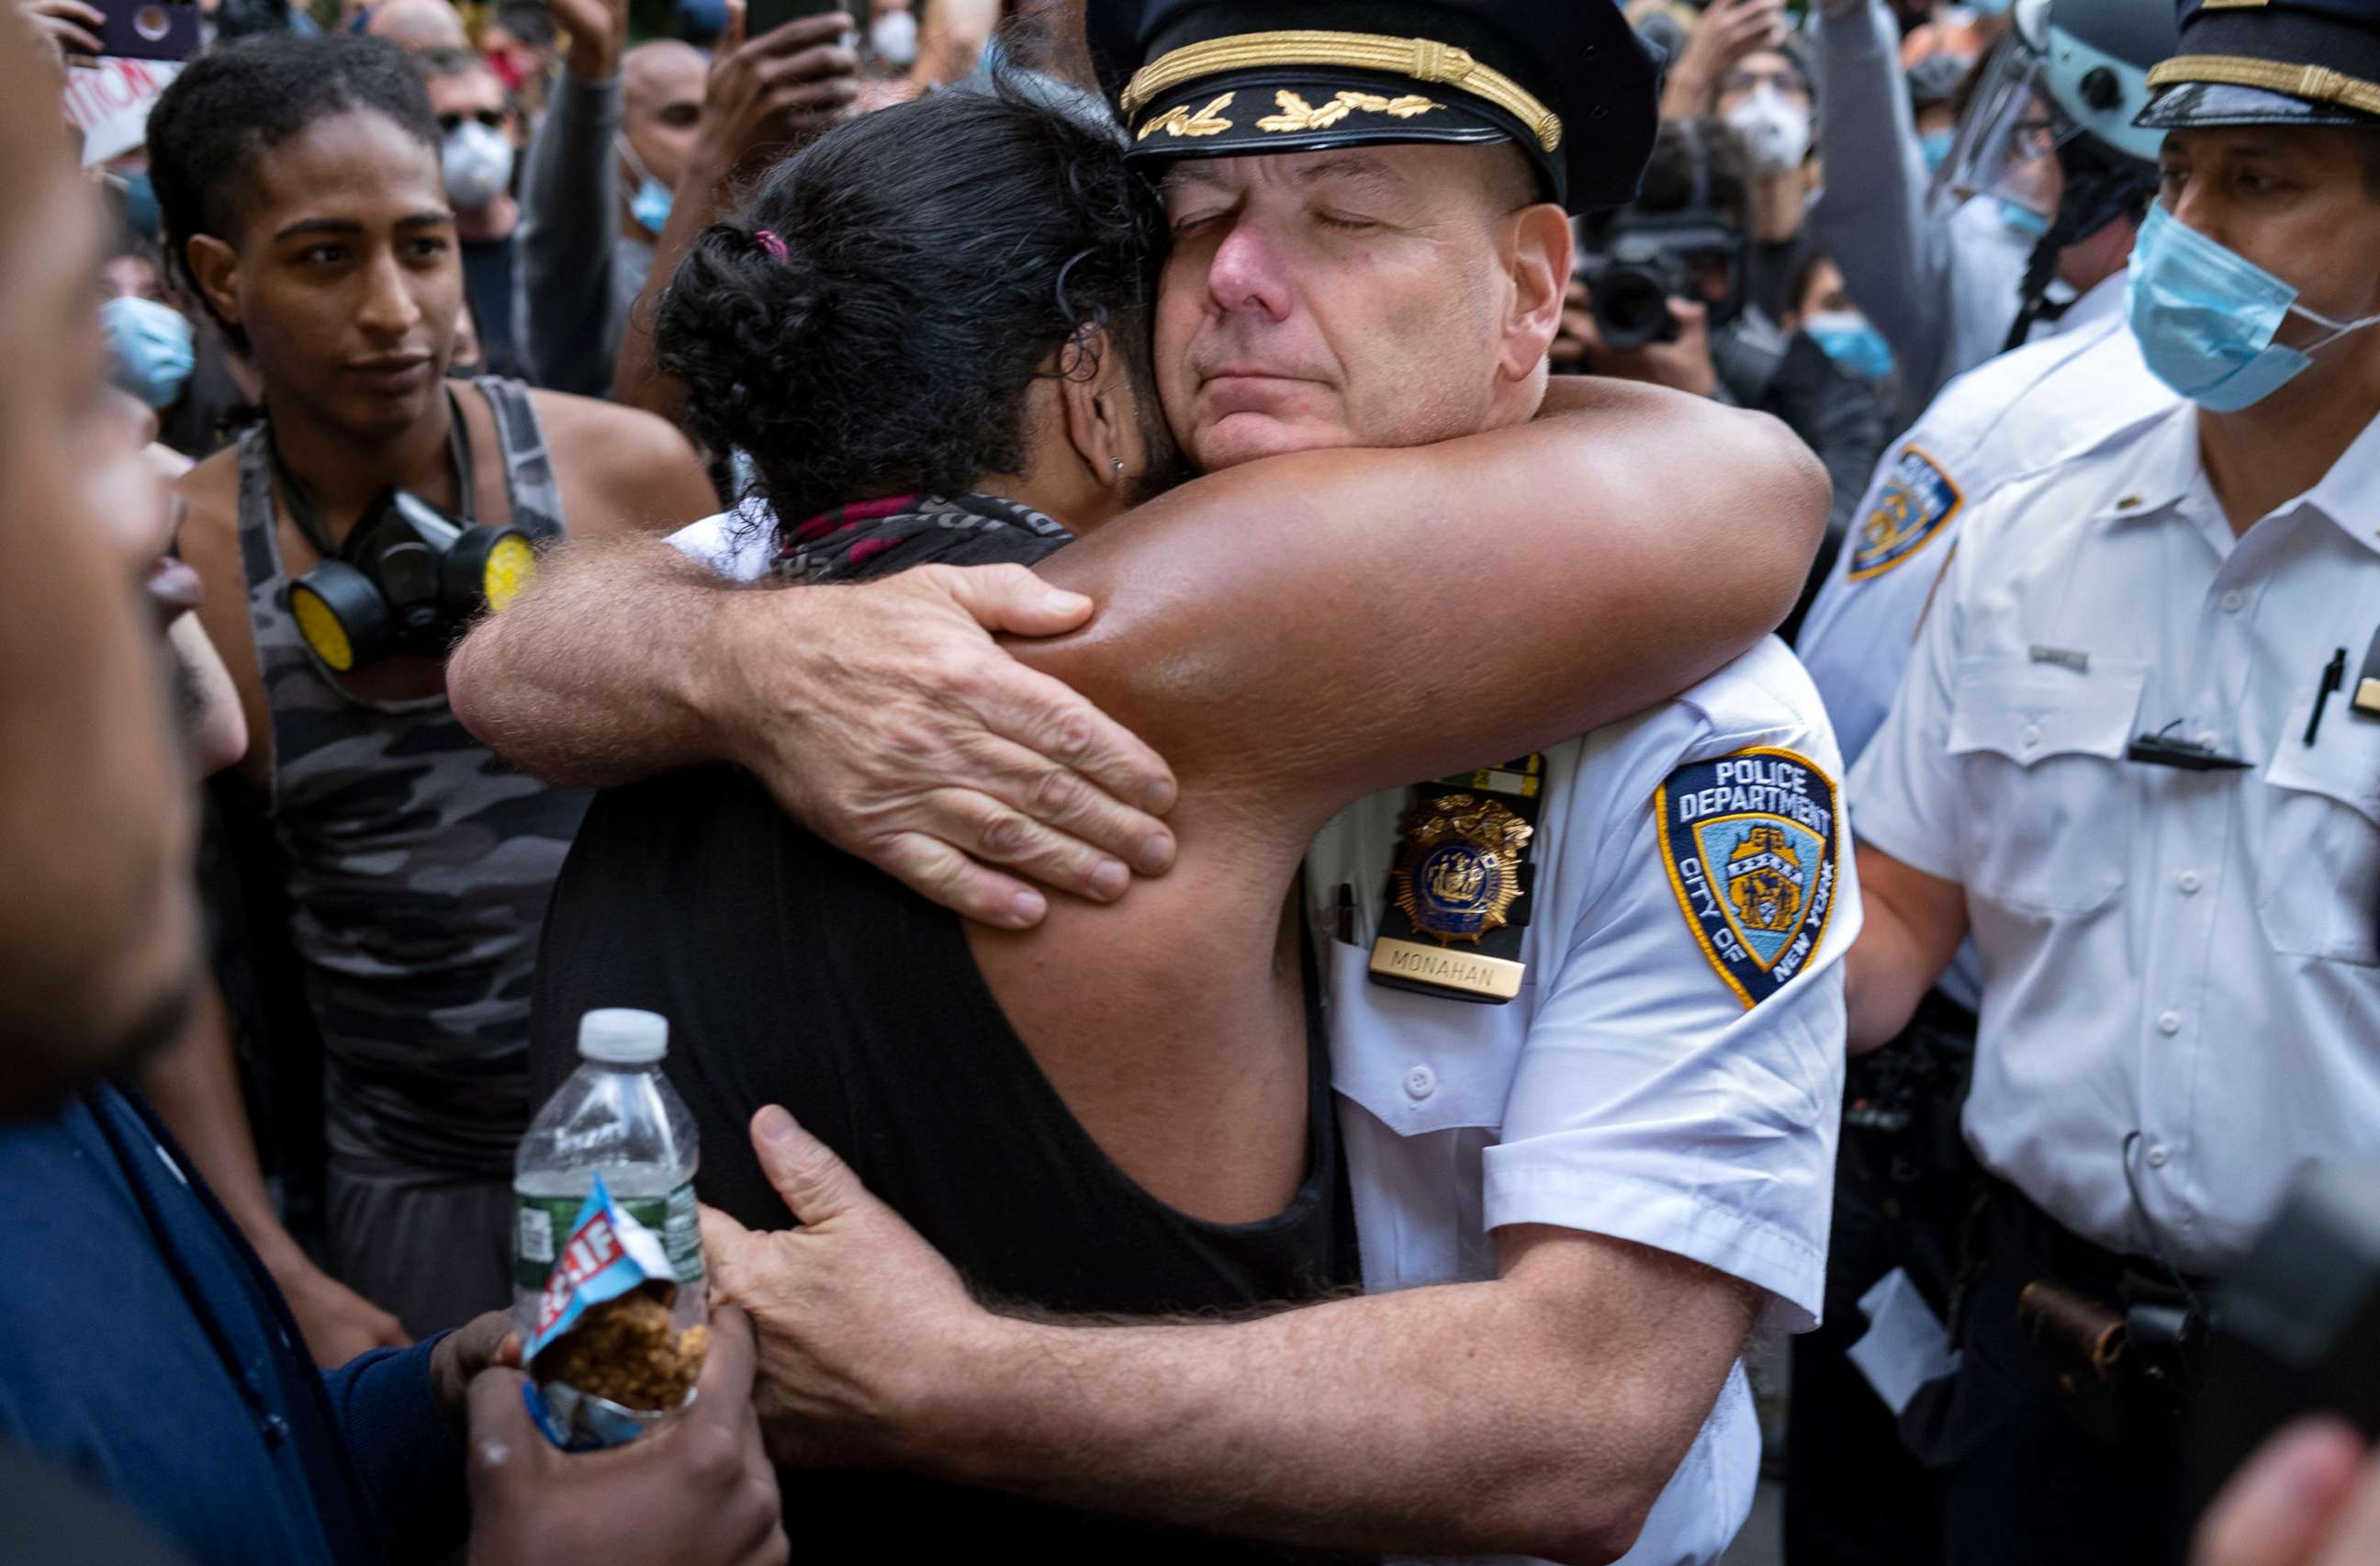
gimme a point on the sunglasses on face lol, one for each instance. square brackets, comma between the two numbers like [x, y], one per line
[492, 119]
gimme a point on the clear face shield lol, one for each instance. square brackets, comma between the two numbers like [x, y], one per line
[2006, 141]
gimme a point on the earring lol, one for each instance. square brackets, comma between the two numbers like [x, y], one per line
[1117, 463]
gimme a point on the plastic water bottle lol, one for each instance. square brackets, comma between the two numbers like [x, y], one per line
[617, 1115]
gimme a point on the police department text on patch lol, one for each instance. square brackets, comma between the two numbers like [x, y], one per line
[1750, 844]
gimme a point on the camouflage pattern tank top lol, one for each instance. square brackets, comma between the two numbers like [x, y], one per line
[418, 863]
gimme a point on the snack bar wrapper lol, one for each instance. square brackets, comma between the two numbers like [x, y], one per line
[607, 1254]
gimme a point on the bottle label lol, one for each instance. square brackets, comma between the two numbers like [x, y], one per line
[539, 1218]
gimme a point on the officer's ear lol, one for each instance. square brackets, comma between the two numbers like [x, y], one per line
[1537, 258]
[1096, 394]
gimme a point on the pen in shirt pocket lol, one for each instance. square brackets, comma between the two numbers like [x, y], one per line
[2334, 674]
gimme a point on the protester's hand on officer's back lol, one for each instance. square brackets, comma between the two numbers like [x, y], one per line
[2310, 1496]
[697, 1492]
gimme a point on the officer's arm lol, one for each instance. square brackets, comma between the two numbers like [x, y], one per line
[1539, 1413]
[1322, 625]
[1914, 925]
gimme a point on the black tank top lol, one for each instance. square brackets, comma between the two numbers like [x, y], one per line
[794, 973]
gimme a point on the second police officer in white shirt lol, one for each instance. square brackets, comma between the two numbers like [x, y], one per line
[2128, 756]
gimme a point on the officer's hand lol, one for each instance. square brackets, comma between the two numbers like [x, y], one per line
[886, 719]
[2308, 1498]
[860, 1322]
[697, 1492]
[1683, 364]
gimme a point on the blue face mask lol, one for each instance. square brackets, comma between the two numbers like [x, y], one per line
[1935, 146]
[2205, 317]
[2022, 220]
[152, 346]
[651, 205]
[1852, 342]
[140, 205]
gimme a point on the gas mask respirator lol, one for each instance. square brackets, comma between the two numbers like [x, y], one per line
[408, 578]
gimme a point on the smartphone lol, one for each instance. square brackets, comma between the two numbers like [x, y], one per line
[149, 30]
[767, 15]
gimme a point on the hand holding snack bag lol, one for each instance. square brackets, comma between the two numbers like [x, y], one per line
[605, 1362]
[699, 1491]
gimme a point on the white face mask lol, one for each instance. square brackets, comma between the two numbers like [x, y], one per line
[892, 37]
[477, 164]
[1777, 132]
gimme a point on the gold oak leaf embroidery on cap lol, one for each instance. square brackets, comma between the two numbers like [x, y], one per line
[1179, 121]
[1296, 113]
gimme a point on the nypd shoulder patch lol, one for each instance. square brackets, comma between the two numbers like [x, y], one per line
[1917, 500]
[1751, 844]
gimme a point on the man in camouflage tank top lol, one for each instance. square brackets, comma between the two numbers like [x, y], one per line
[304, 204]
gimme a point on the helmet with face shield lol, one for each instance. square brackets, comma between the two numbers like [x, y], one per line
[2047, 130]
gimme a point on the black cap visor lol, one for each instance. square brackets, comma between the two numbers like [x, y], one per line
[2191, 104]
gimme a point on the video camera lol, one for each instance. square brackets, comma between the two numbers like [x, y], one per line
[1648, 260]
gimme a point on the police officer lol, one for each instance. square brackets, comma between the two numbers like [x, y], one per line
[1901, 1177]
[1585, 1007]
[2130, 756]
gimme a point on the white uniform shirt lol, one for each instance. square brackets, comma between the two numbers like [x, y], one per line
[2190, 955]
[1628, 1090]
[2017, 414]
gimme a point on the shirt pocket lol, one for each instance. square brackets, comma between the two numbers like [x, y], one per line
[2318, 873]
[1422, 1063]
[2045, 816]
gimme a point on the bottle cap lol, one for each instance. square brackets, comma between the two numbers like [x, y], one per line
[619, 1036]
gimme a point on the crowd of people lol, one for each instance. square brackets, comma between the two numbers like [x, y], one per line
[931, 547]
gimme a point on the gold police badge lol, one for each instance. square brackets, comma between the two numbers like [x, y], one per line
[1459, 873]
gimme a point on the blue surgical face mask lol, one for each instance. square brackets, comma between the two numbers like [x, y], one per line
[152, 346]
[1852, 342]
[651, 204]
[2021, 220]
[1936, 145]
[2205, 317]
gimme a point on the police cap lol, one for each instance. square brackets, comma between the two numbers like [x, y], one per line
[1569, 83]
[2270, 62]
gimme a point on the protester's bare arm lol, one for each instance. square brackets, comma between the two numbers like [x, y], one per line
[1540, 1414]
[194, 1083]
[1339, 621]
[881, 715]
